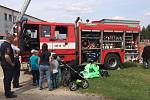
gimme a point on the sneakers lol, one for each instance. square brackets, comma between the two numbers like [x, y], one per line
[40, 88]
[50, 89]
[12, 92]
[34, 84]
[11, 96]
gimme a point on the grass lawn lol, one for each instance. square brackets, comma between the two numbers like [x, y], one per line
[125, 84]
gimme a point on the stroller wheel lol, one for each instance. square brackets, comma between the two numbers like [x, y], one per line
[73, 86]
[64, 83]
[65, 78]
[84, 84]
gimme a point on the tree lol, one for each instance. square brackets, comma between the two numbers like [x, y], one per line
[148, 27]
[145, 33]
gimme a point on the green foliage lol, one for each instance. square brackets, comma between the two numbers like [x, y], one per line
[125, 84]
[146, 32]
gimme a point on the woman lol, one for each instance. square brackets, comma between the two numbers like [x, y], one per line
[45, 67]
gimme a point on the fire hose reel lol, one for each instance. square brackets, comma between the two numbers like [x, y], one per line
[85, 43]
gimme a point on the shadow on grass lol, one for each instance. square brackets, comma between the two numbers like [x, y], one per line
[131, 64]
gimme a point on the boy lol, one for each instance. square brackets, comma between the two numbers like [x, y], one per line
[34, 62]
[54, 65]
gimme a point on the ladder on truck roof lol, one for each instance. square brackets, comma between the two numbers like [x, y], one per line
[21, 14]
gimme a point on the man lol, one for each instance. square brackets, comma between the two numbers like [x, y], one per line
[16, 73]
[7, 65]
[146, 55]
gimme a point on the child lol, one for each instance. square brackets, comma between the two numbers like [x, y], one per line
[34, 62]
[54, 65]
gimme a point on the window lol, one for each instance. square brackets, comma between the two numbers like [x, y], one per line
[61, 32]
[45, 31]
[3, 37]
[6, 31]
[14, 18]
[10, 18]
[32, 33]
[5, 16]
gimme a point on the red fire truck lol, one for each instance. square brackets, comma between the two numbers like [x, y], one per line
[106, 42]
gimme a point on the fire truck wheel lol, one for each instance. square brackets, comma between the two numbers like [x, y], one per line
[112, 61]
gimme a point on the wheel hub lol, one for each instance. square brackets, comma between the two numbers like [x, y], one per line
[112, 62]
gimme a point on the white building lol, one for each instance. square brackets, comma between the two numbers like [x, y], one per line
[8, 17]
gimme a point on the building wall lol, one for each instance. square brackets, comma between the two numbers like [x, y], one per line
[6, 24]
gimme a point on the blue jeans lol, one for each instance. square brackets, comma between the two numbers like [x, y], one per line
[45, 69]
[55, 80]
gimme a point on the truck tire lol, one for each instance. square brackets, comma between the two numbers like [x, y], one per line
[112, 61]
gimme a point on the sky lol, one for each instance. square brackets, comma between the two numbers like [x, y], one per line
[69, 10]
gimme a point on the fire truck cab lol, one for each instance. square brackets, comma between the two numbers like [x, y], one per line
[60, 38]
[106, 44]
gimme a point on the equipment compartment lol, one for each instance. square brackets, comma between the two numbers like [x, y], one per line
[90, 45]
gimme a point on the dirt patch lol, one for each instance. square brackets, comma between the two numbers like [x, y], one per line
[29, 92]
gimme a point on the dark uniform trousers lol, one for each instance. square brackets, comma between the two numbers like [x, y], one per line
[16, 72]
[8, 75]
